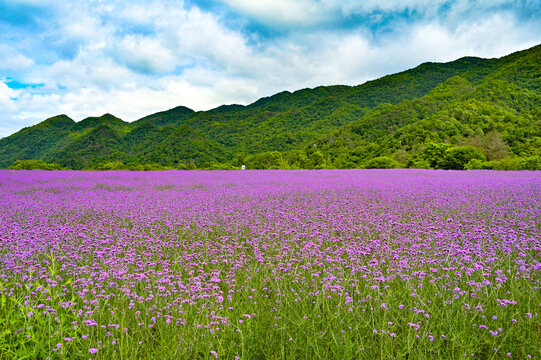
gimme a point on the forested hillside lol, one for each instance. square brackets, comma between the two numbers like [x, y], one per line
[466, 114]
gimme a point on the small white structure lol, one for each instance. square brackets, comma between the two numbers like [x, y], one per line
[243, 167]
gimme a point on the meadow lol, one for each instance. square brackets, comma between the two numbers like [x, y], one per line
[329, 264]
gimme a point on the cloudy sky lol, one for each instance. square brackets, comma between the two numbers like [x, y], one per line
[132, 57]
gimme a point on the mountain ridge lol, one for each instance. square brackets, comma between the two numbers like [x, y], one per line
[455, 103]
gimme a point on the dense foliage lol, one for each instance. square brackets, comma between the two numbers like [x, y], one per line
[479, 113]
[34, 165]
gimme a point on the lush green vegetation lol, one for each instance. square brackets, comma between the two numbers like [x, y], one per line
[467, 114]
[34, 165]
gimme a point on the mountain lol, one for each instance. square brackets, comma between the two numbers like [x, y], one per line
[163, 118]
[488, 109]
[100, 144]
[104, 120]
[35, 141]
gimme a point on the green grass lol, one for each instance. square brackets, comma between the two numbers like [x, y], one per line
[308, 322]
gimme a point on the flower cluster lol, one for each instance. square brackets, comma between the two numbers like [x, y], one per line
[370, 257]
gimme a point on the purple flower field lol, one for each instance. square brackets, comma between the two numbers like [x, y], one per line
[406, 264]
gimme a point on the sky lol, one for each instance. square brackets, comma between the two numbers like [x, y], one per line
[132, 58]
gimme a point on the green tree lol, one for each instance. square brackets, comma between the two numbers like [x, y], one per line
[266, 160]
[531, 163]
[491, 144]
[111, 165]
[475, 164]
[315, 159]
[434, 154]
[418, 164]
[34, 165]
[457, 157]
[381, 162]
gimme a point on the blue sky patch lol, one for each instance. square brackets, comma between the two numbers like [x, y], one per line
[17, 85]
[23, 15]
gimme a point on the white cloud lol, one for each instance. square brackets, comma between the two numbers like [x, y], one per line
[367, 6]
[145, 54]
[493, 36]
[11, 60]
[299, 12]
[7, 97]
[296, 13]
[9, 108]
[128, 54]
